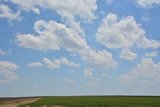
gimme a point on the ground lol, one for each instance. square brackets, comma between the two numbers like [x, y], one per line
[83, 101]
[15, 102]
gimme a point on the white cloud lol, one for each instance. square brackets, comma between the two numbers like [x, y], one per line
[88, 73]
[68, 9]
[65, 61]
[148, 3]
[148, 43]
[7, 71]
[52, 36]
[76, 25]
[146, 17]
[99, 60]
[128, 54]
[124, 33]
[28, 5]
[93, 79]
[35, 64]
[68, 81]
[56, 63]
[53, 63]
[56, 36]
[151, 54]
[146, 70]
[6, 12]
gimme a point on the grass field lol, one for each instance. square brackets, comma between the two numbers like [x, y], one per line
[96, 101]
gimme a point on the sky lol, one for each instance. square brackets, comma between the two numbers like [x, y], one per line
[79, 47]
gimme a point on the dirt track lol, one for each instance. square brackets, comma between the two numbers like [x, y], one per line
[15, 102]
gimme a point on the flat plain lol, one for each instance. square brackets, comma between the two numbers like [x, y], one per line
[82, 101]
[96, 101]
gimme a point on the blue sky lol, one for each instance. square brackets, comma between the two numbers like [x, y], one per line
[81, 47]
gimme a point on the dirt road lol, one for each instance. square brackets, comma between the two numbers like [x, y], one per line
[16, 101]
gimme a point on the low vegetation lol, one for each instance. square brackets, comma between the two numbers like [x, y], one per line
[96, 101]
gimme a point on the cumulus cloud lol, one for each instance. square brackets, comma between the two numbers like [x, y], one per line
[99, 60]
[52, 36]
[7, 71]
[76, 25]
[149, 43]
[28, 5]
[124, 33]
[56, 36]
[81, 8]
[151, 54]
[35, 64]
[147, 3]
[127, 54]
[92, 79]
[147, 70]
[56, 63]
[53, 63]
[6, 12]
[146, 17]
[68, 9]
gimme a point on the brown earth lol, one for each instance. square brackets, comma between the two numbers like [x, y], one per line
[14, 102]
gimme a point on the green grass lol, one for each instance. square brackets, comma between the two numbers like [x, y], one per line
[98, 101]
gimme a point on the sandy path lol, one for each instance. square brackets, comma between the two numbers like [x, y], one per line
[16, 102]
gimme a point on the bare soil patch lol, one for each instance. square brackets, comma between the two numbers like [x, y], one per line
[15, 102]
